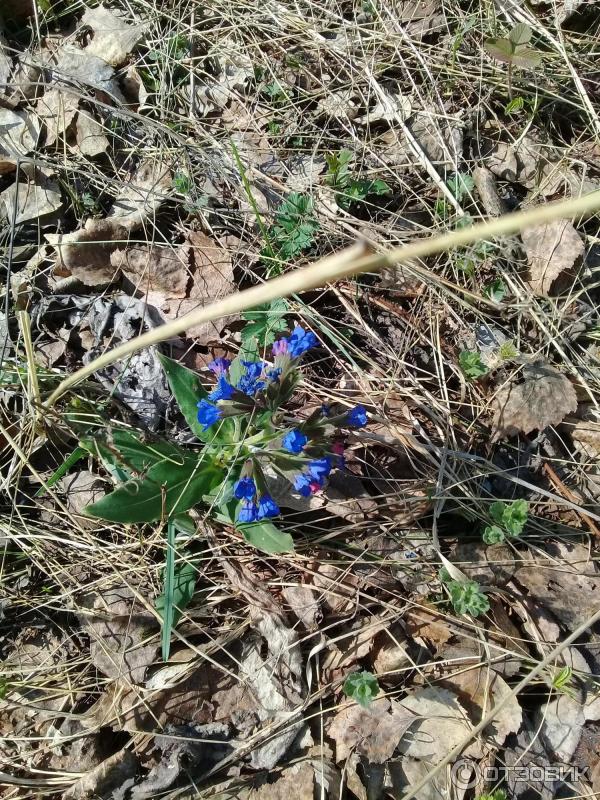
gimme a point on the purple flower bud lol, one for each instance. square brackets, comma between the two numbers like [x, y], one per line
[294, 441]
[280, 347]
[244, 489]
[219, 366]
[208, 414]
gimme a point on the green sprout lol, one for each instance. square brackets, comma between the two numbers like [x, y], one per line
[471, 364]
[361, 687]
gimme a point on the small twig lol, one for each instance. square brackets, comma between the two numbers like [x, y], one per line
[569, 495]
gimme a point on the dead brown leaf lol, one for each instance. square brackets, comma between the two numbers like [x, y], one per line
[113, 38]
[19, 132]
[275, 679]
[296, 781]
[566, 583]
[142, 195]
[439, 718]
[105, 779]
[428, 624]
[303, 602]
[37, 198]
[585, 431]
[57, 109]
[82, 489]
[123, 643]
[553, 249]
[81, 66]
[90, 136]
[544, 398]
[86, 252]
[160, 270]
[373, 732]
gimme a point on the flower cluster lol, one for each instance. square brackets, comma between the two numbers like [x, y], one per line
[304, 454]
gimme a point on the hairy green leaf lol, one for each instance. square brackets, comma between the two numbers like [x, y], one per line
[168, 489]
[520, 34]
[500, 49]
[266, 537]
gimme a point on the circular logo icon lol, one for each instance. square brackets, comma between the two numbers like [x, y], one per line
[464, 774]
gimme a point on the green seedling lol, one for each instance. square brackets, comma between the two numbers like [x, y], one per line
[471, 365]
[507, 351]
[361, 687]
[265, 322]
[514, 51]
[466, 596]
[293, 232]
[348, 188]
[497, 794]
[461, 185]
[496, 290]
[509, 518]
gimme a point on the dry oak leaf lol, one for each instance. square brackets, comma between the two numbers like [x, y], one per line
[142, 195]
[18, 132]
[105, 779]
[91, 139]
[82, 66]
[552, 250]
[544, 398]
[373, 732]
[114, 38]
[38, 199]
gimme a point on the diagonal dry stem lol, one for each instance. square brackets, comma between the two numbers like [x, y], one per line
[352, 261]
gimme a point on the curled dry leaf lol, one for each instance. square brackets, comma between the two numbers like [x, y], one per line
[275, 679]
[552, 249]
[544, 398]
[373, 732]
[389, 107]
[142, 195]
[113, 38]
[82, 489]
[585, 431]
[85, 253]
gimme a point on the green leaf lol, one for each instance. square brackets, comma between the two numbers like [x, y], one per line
[124, 448]
[496, 290]
[527, 57]
[493, 535]
[467, 598]
[500, 49]
[187, 390]
[266, 537]
[265, 322]
[460, 185]
[511, 517]
[361, 687]
[75, 456]
[178, 590]
[472, 365]
[520, 34]
[379, 187]
[248, 352]
[167, 489]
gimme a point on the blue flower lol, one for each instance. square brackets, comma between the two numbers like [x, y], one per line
[219, 366]
[319, 469]
[244, 489]
[357, 417]
[267, 507]
[274, 374]
[223, 390]
[294, 441]
[249, 383]
[248, 512]
[302, 484]
[300, 341]
[208, 414]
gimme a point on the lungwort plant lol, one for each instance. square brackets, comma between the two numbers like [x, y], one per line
[248, 441]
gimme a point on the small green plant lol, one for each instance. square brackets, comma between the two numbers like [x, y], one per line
[563, 682]
[361, 687]
[514, 51]
[496, 290]
[515, 106]
[169, 60]
[265, 322]
[466, 596]
[245, 436]
[276, 93]
[471, 365]
[509, 518]
[497, 794]
[507, 351]
[348, 188]
[182, 183]
[293, 232]
[461, 185]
